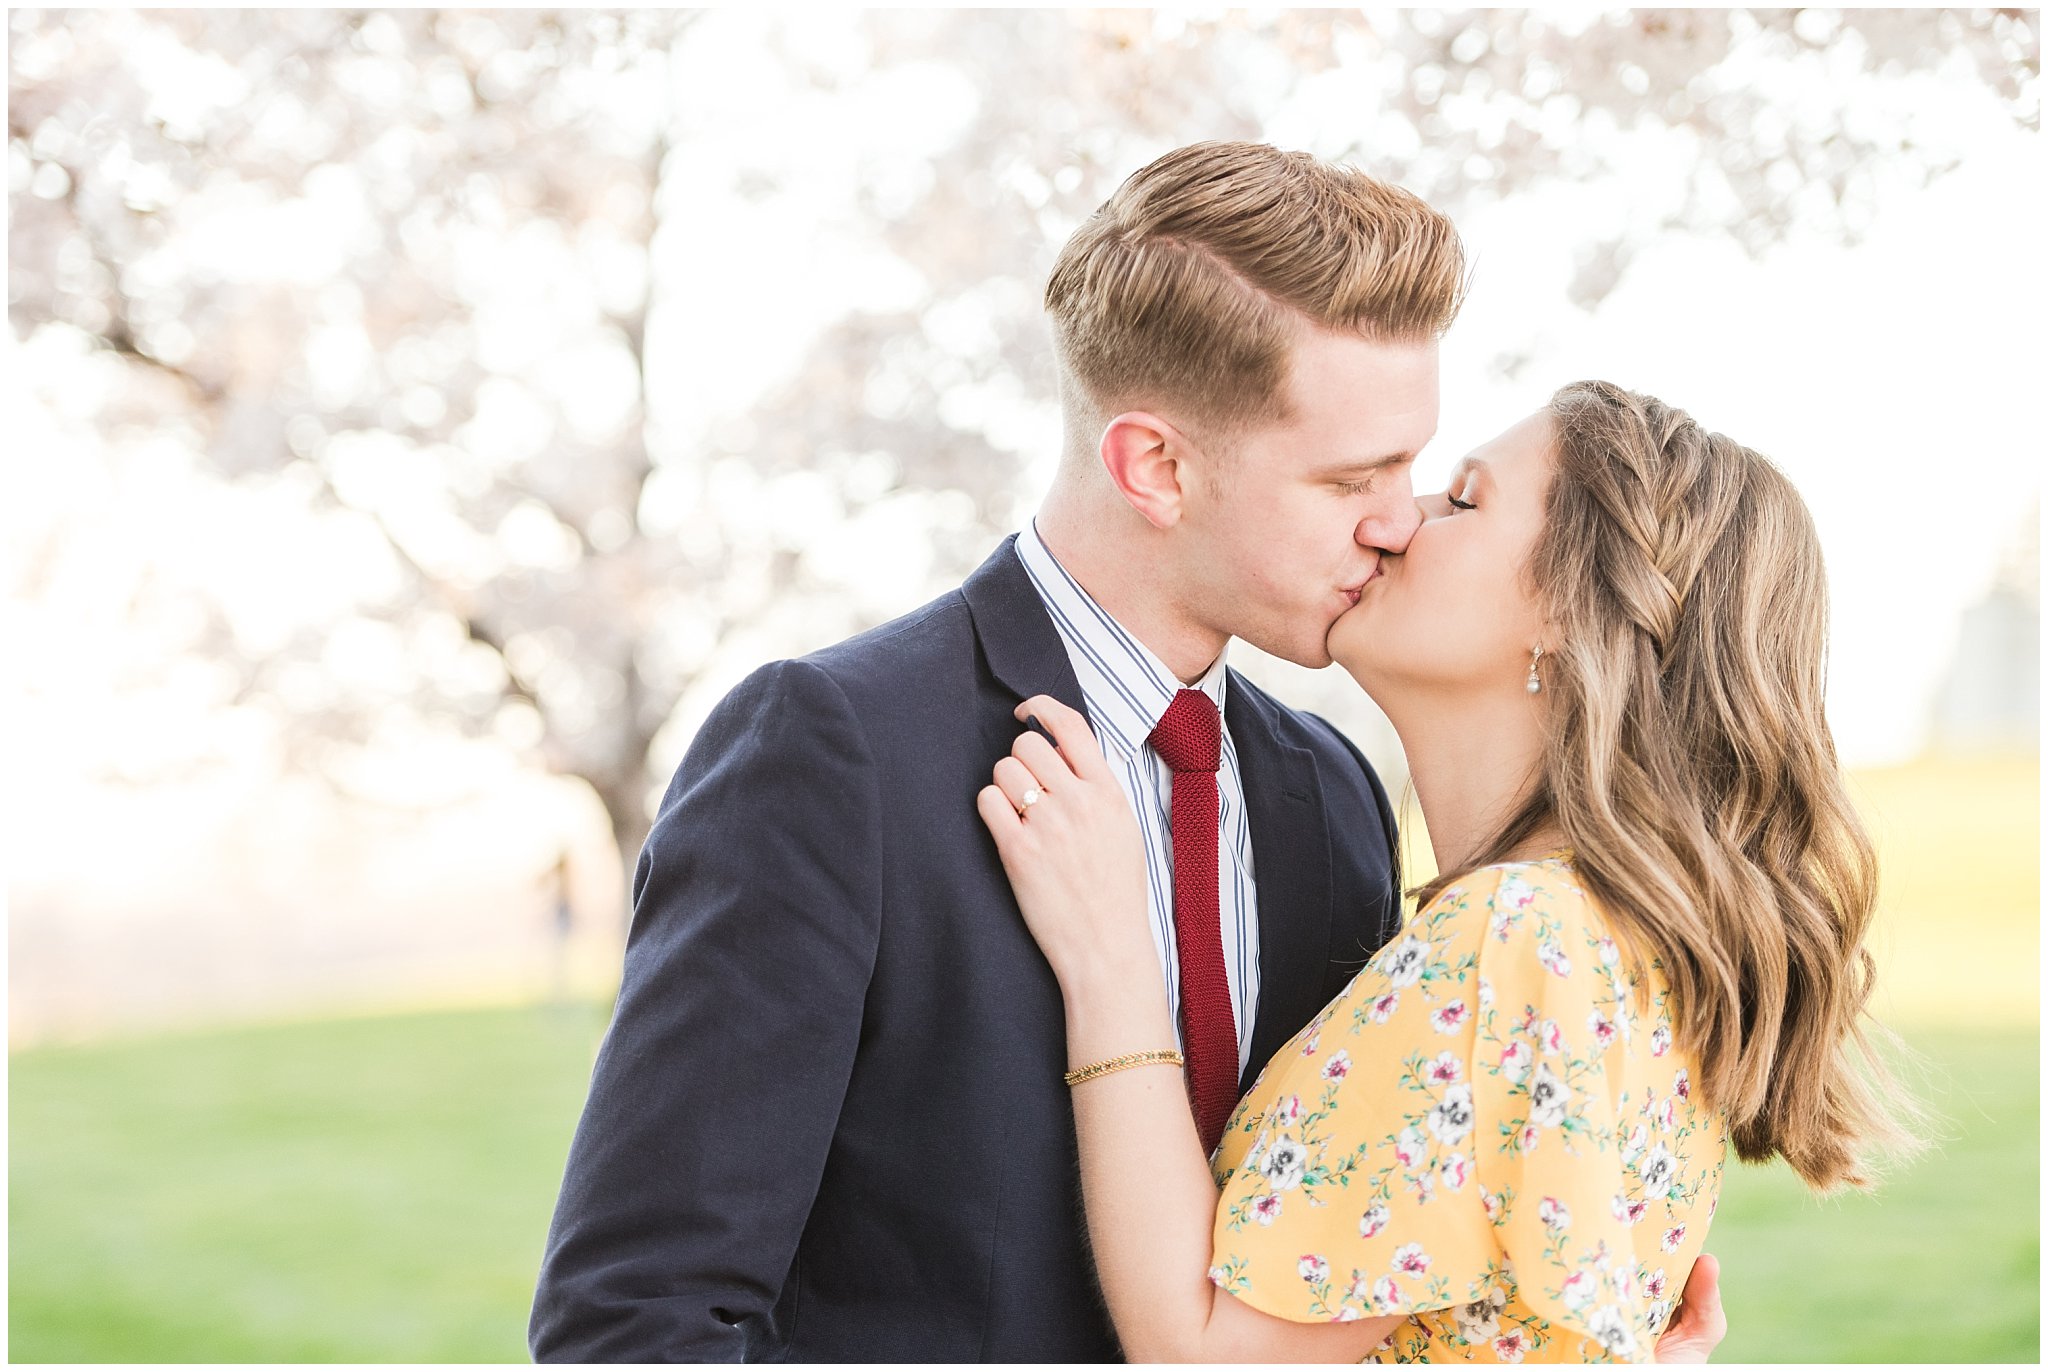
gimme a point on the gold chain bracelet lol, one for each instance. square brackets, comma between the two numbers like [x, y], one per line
[1168, 1056]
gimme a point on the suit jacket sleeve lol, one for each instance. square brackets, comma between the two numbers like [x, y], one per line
[713, 1103]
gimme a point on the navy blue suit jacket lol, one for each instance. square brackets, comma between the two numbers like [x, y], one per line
[827, 1123]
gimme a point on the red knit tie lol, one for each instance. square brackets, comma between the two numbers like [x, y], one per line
[1190, 738]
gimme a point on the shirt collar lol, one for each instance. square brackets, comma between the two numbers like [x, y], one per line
[1126, 686]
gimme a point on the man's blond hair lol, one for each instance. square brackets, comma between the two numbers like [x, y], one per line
[1186, 290]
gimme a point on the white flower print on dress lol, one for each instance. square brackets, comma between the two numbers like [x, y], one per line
[1454, 1171]
[1451, 1118]
[1285, 1162]
[1630, 1212]
[1408, 1146]
[1338, 1067]
[1411, 1260]
[1660, 1040]
[1383, 1009]
[1386, 1294]
[1515, 1060]
[1372, 1221]
[1552, 956]
[1611, 1328]
[1445, 1068]
[1479, 1320]
[1653, 1285]
[1485, 995]
[1406, 960]
[1659, 1170]
[1604, 1029]
[1314, 1268]
[1555, 1214]
[1266, 1209]
[1550, 1038]
[1673, 1237]
[1549, 1097]
[1577, 1291]
[1446, 1019]
[1511, 1346]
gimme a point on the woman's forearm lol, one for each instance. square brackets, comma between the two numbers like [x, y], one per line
[1150, 1199]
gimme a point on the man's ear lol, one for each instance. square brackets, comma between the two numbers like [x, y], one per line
[1147, 459]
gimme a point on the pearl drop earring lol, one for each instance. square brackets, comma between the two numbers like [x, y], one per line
[1535, 683]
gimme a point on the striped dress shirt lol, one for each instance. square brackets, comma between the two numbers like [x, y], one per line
[1127, 690]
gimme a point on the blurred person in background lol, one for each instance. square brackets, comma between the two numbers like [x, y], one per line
[828, 1122]
[1603, 650]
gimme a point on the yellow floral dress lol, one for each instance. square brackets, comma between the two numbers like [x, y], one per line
[1490, 1131]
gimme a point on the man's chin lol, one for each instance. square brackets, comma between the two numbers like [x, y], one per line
[1313, 654]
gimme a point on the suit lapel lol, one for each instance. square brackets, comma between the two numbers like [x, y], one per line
[1291, 858]
[1018, 639]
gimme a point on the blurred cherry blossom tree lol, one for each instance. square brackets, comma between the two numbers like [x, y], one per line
[410, 273]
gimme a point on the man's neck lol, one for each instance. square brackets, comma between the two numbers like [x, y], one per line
[1110, 553]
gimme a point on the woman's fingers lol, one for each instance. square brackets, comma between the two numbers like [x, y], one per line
[1043, 759]
[998, 814]
[1016, 781]
[1070, 731]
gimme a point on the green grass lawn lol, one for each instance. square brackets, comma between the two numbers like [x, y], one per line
[350, 1190]
[378, 1190]
[1942, 1264]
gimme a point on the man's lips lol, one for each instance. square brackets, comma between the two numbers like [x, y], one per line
[1351, 593]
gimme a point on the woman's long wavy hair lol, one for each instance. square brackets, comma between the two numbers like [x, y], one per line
[1689, 765]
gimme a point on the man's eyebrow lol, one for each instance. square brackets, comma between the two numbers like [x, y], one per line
[1365, 465]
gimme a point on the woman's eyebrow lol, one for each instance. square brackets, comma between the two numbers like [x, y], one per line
[1471, 467]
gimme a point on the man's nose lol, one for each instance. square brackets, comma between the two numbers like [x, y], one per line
[1389, 530]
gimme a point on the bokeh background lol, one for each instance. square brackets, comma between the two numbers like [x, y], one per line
[417, 420]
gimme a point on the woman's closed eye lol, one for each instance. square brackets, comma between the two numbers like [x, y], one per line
[1460, 504]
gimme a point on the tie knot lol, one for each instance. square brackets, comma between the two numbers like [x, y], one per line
[1190, 735]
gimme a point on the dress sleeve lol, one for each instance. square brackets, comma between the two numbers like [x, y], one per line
[1355, 1189]
[1548, 1047]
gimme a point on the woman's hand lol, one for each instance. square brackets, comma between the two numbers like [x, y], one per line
[1070, 845]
